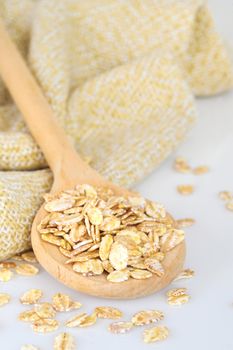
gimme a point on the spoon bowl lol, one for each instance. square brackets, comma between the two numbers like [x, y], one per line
[54, 263]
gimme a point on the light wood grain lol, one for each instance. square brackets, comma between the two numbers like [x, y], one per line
[69, 170]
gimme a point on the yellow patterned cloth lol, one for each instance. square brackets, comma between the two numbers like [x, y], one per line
[120, 76]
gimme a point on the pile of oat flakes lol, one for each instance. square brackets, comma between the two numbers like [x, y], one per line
[100, 232]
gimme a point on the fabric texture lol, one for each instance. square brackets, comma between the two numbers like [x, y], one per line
[120, 76]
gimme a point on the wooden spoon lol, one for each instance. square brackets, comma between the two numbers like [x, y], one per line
[68, 170]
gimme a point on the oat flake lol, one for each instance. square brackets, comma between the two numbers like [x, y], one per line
[185, 274]
[178, 300]
[4, 299]
[185, 189]
[187, 222]
[76, 320]
[88, 320]
[108, 312]
[120, 327]
[45, 310]
[118, 256]
[32, 296]
[62, 302]
[7, 264]
[45, 325]
[28, 316]
[64, 341]
[142, 318]
[29, 257]
[118, 276]
[26, 270]
[140, 274]
[5, 275]
[155, 334]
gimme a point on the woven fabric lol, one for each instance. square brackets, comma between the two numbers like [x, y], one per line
[120, 76]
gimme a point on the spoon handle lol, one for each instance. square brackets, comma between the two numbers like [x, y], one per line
[35, 110]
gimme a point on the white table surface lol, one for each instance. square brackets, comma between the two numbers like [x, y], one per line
[206, 322]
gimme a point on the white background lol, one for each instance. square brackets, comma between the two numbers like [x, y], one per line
[206, 322]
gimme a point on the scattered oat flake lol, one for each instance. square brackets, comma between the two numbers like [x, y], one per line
[75, 305]
[201, 169]
[62, 302]
[185, 274]
[187, 222]
[108, 312]
[185, 189]
[29, 257]
[181, 165]
[178, 300]
[5, 275]
[120, 327]
[76, 320]
[142, 318]
[45, 325]
[229, 205]
[28, 347]
[89, 320]
[118, 276]
[26, 270]
[225, 195]
[176, 292]
[4, 299]
[177, 296]
[31, 296]
[155, 334]
[28, 316]
[7, 264]
[45, 310]
[64, 341]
